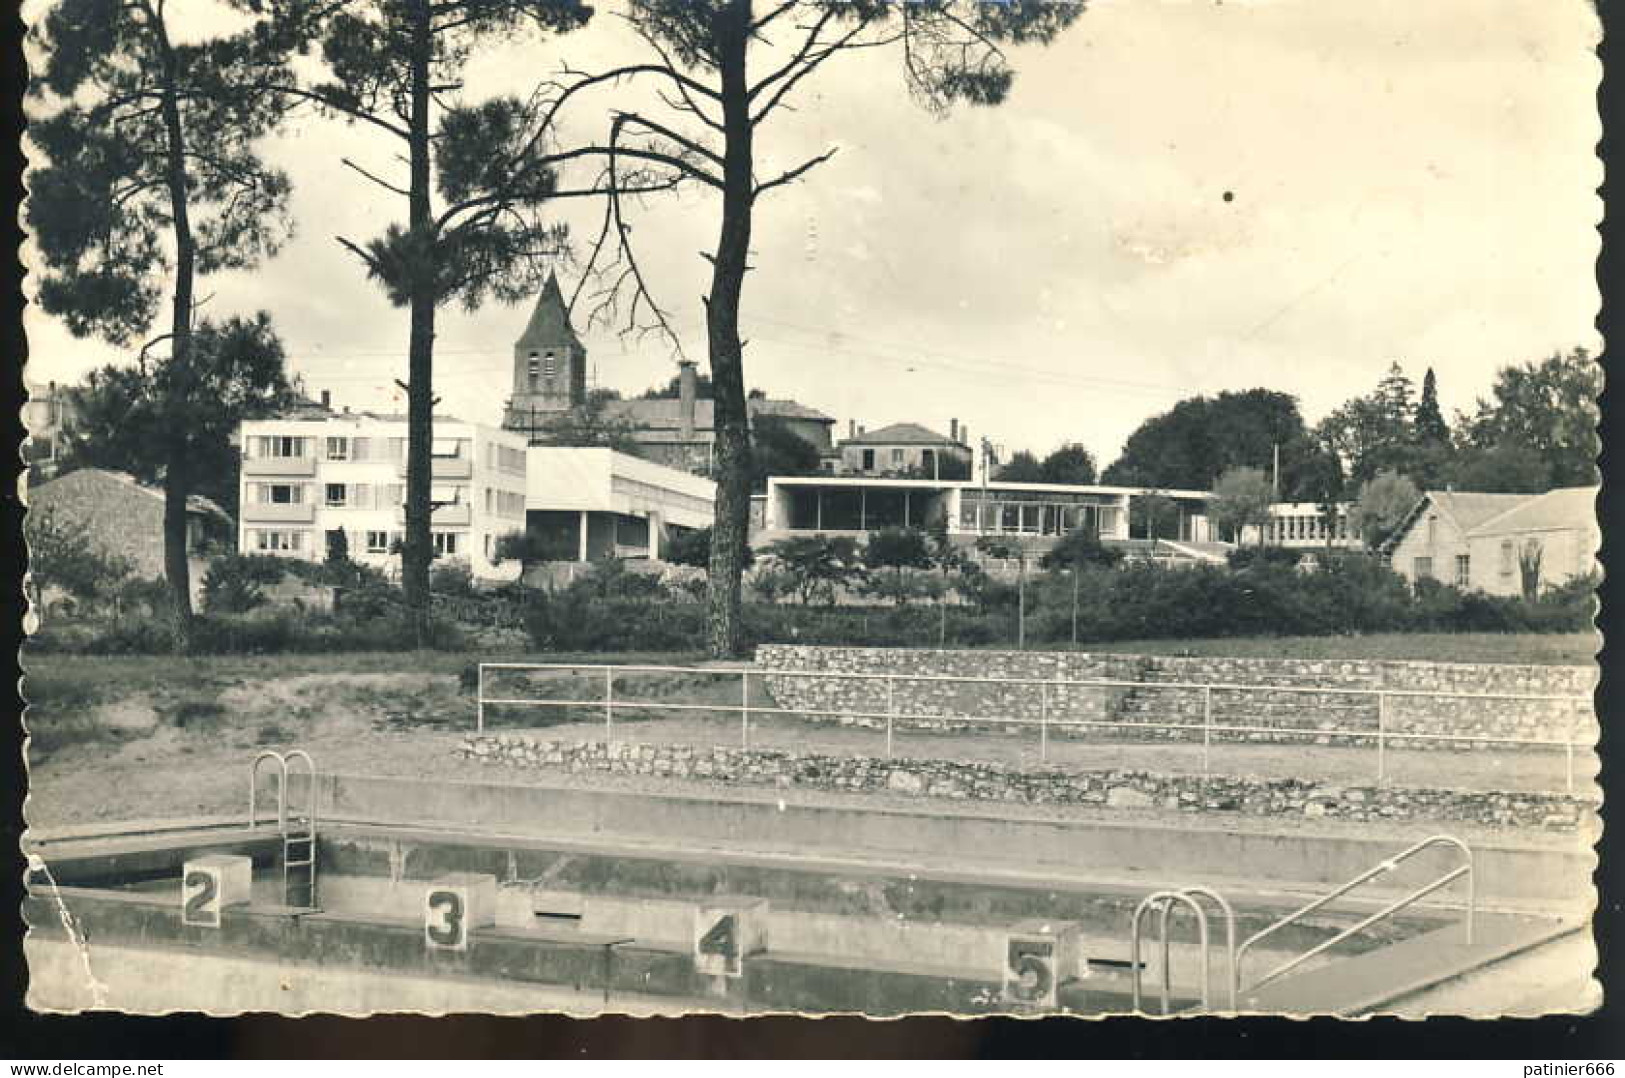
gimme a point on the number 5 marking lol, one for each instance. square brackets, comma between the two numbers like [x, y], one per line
[1029, 961]
[444, 926]
[199, 908]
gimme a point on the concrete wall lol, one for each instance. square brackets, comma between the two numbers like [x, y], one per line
[1558, 871]
[993, 782]
[1342, 700]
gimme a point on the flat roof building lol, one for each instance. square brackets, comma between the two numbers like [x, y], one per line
[1034, 514]
[591, 503]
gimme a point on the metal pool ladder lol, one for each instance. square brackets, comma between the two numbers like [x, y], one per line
[298, 830]
[1463, 869]
[1164, 902]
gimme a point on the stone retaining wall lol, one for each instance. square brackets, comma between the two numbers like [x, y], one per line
[1342, 708]
[992, 782]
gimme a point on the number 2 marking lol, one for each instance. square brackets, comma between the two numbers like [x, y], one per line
[198, 908]
[446, 928]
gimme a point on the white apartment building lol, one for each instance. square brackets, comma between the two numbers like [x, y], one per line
[307, 475]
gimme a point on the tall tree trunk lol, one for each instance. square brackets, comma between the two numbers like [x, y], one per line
[176, 570]
[732, 518]
[418, 551]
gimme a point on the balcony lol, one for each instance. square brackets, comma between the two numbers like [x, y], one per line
[278, 513]
[445, 516]
[303, 466]
[445, 468]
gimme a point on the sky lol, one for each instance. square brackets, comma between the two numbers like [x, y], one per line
[1178, 197]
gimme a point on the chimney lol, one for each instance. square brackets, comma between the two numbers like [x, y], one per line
[685, 399]
[953, 430]
[964, 435]
[851, 428]
[327, 398]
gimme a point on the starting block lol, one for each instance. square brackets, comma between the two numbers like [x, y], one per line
[456, 904]
[1039, 957]
[210, 884]
[726, 931]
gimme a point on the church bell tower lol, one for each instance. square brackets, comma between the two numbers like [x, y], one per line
[549, 366]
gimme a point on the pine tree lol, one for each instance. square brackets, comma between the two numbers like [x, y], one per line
[722, 69]
[152, 179]
[475, 175]
[1431, 429]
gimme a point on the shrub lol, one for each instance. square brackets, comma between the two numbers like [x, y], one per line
[451, 576]
[232, 584]
[1246, 557]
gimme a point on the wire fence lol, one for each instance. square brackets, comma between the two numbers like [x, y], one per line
[1057, 701]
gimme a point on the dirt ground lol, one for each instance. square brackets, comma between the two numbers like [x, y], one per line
[173, 750]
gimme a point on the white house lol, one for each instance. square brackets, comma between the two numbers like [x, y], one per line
[311, 473]
[1476, 541]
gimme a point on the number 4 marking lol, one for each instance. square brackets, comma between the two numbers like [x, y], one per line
[720, 940]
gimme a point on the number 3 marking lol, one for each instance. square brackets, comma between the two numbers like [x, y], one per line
[446, 929]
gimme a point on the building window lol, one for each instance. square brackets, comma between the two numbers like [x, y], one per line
[1433, 531]
[868, 460]
[1464, 574]
[487, 547]
[360, 448]
[549, 366]
[1422, 568]
[283, 493]
[446, 495]
[1508, 559]
[280, 445]
[445, 544]
[532, 370]
[377, 542]
[279, 542]
[446, 448]
[897, 458]
[337, 496]
[338, 449]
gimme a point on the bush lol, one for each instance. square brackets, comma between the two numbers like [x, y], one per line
[1246, 557]
[451, 576]
[232, 584]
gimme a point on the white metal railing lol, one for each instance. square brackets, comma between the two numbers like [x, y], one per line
[1463, 869]
[1165, 901]
[1382, 736]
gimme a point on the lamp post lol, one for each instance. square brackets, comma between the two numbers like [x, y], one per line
[1076, 578]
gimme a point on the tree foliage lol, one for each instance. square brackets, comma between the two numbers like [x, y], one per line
[776, 449]
[1201, 438]
[477, 174]
[1079, 548]
[1380, 507]
[150, 178]
[1241, 500]
[1022, 467]
[819, 565]
[61, 556]
[722, 69]
[1071, 463]
[1544, 409]
[141, 419]
[593, 422]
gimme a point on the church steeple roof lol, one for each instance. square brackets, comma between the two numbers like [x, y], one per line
[549, 320]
